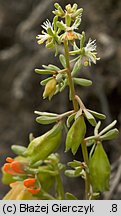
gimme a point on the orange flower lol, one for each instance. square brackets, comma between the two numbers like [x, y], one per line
[13, 167]
[30, 184]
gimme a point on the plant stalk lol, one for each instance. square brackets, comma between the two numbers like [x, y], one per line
[75, 105]
[70, 81]
[86, 160]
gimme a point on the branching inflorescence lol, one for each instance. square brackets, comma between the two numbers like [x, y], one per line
[37, 169]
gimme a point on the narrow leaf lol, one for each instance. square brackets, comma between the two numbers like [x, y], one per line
[110, 135]
[82, 82]
[62, 60]
[108, 127]
[42, 71]
[46, 120]
[76, 67]
[69, 119]
[90, 117]
[45, 114]
[97, 115]
[44, 82]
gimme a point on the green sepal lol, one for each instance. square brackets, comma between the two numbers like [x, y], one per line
[70, 196]
[55, 23]
[57, 6]
[90, 117]
[62, 60]
[50, 45]
[61, 25]
[82, 82]
[18, 150]
[77, 13]
[97, 115]
[110, 135]
[99, 169]
[46, 120]
[68, 20]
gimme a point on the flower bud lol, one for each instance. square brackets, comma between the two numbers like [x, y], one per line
[99, 169]
[76, 135]
[40, 147]
[50, 89]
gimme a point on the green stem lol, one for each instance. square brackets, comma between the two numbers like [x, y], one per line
[86, 160]
[71, 84]
[60, 189]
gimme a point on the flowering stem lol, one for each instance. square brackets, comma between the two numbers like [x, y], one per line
[75, 105]
[71, 84]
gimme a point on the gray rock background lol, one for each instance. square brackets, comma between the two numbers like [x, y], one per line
[21, 93]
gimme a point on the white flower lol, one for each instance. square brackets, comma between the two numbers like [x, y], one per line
[90, 51]
[47, 24]
[91, 46]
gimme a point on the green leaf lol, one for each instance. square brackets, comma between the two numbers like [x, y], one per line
[97, 115]
[46, 114]
[74, 163]
[69, 119]
[71, 173]
[82, 82]
[108, 127]
[62, 60]
[51, 67]
[18, 150]
[76, 67]
[110, 135]
[64, 85]
[42, 71]
[70, 196]
[44, 82]
[90, 117]
[78, 170]
[46, 120]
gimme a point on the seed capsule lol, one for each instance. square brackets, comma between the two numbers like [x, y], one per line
[50, 89]
[76, 135]
[40, 147]
[99, 168]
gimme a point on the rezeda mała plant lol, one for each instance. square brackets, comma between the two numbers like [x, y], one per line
[36, 170]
